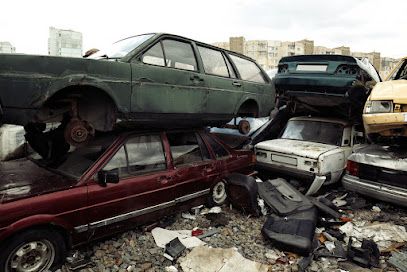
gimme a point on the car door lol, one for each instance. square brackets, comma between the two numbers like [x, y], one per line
[225, 89]
[166, 79]
[195, 170]
[254, 83]
[144, 191]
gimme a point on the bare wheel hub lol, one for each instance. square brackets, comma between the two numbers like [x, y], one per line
[78, 132]
[32, 257]
[219, 193]
[244, 127]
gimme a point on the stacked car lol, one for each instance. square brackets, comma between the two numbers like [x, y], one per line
[380, 169]
[326, 95]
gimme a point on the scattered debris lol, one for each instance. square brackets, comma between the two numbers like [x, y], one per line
[171, 269]
[208, 233]
[187, 215]
[376, 209]
[174, 248]
[205, 259]
[164, 236]
[217, 219]
[211, 210]
[384, 234]
[366, 256]
[399, 260]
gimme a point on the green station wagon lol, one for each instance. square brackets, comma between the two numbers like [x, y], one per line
[146, 80]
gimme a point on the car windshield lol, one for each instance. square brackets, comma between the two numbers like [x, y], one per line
[314, 131]
[80, 159]
[121, 48]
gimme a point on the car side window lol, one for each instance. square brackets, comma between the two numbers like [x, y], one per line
[230, 68]
[213, 62]
[218, 149]
[248, 70]
[185, 148]
[139, 155]
[179, 55]
[154, 55]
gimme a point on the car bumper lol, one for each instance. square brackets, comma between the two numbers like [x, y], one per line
[316, 180]
[385, 123]
[285, 171]
[376, 190]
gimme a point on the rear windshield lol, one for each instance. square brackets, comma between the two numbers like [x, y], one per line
[314, 131]
[75, 163]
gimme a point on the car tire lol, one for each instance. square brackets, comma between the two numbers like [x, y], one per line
[33, 250]
[218, 195]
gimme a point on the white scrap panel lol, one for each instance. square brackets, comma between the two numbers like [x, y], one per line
[11, 138]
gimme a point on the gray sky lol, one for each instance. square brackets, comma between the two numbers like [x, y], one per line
[364, 25]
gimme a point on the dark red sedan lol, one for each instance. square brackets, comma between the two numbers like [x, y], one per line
[112, 184]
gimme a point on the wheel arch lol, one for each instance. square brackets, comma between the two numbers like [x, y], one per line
[37, 223]
[95, 104]
[249, 105]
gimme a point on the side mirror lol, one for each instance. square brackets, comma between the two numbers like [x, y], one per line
[105, 177]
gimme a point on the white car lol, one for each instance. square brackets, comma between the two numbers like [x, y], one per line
[309, 148]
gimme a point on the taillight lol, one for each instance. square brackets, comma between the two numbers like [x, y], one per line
[352, 168]
[253, 158]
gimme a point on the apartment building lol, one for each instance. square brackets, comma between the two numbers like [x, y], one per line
[374, 58]
[7, 47]
[65, 43]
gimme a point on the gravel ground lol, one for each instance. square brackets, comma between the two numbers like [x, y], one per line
[137, 251]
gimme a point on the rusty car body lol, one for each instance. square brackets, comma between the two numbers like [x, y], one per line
[116, 182]
[385, 113]
[151, 79]
[325, 85]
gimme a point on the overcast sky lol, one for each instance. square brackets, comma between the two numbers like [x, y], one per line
[364, 25]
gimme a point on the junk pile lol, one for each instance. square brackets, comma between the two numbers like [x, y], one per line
[314, 227]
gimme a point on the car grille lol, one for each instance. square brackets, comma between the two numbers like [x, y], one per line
[383, 175]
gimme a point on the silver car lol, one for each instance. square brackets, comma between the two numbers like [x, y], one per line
[379, 172]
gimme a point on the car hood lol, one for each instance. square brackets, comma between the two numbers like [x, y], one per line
[390, 157]
[395, 90]
[23, 178]
[297, 148]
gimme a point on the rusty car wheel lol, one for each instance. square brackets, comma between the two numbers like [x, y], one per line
[244, 127]
[33, 251]
[78, 132]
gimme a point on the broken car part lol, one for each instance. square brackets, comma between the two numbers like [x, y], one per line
[294, 232]
[366, 256]
[174, 248]
[242, 192]
[282, 198]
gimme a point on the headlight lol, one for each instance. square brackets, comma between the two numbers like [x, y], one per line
[378, 106]
[261, 154]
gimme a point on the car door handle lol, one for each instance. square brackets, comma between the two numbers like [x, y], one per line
[196, 77]
[164, 179]
[237, 84]
[144, 79]
[207, 170]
